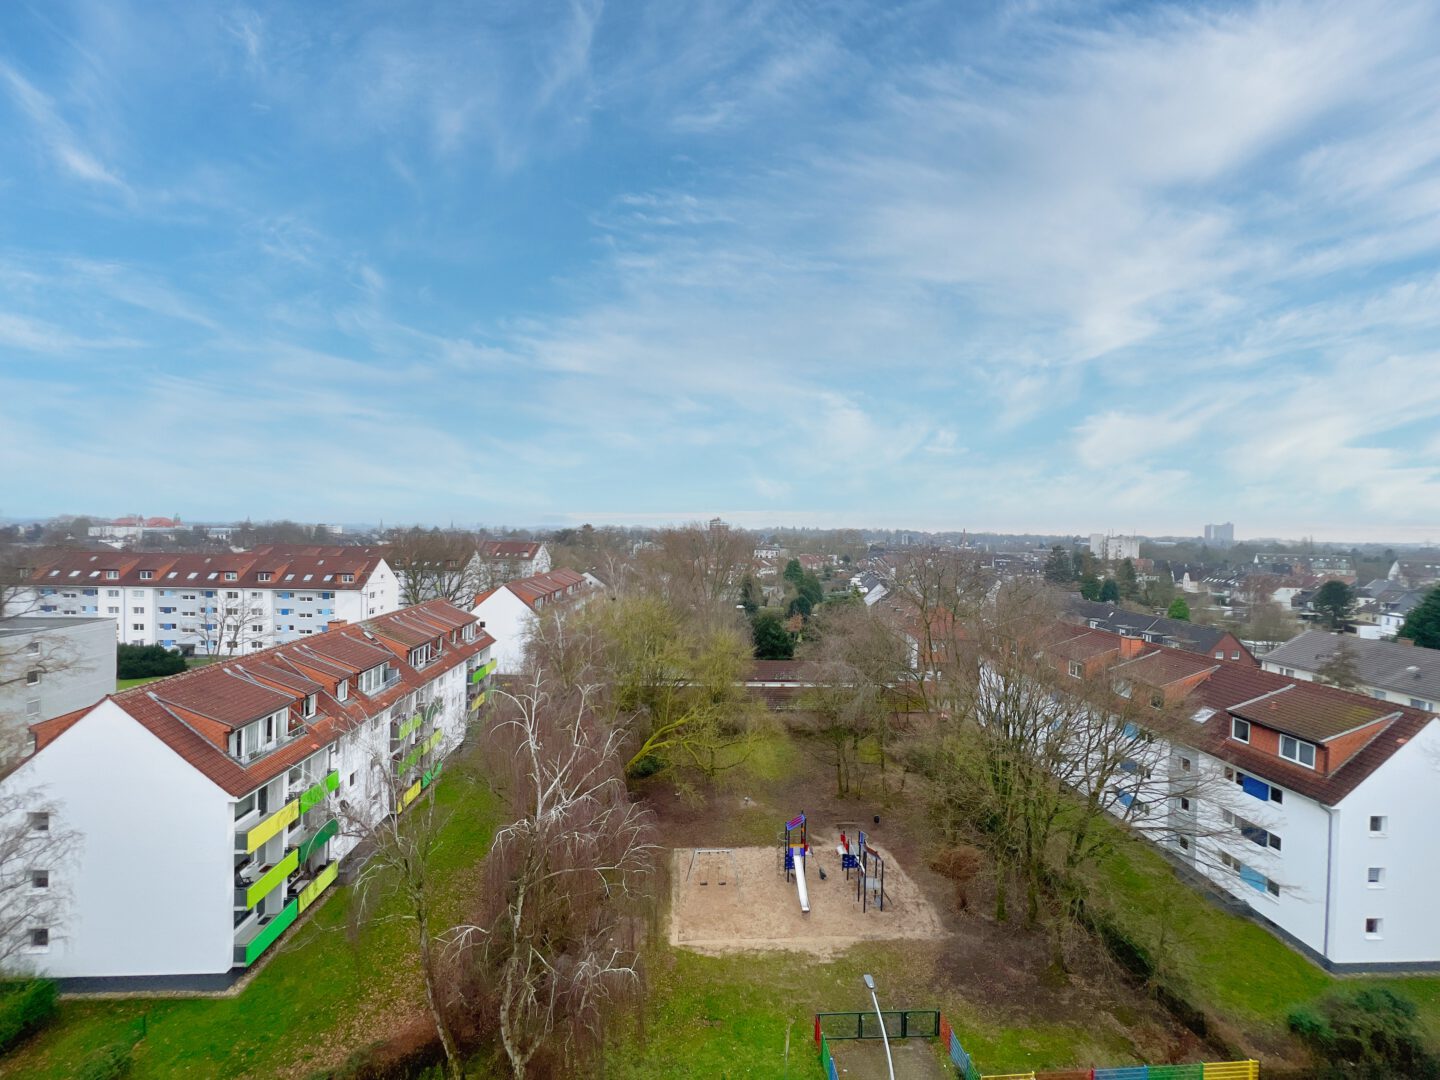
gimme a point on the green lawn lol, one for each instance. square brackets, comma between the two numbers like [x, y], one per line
[126, 684]
[307, 1001]
[1233, 967]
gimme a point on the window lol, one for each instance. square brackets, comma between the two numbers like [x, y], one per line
[137, 626]
[1184, 803]
[1373, 927]
[1077, 669]
[264, 575]
[137, 611]
[1287, 671]
[1220, 655]
[40, 938]
[352, 780]
[1378, 694]
[111, 575]
[1419, 703]
[232, 596]
[39, 821]
[1375, 877]
[112, 611]
[342, 690]
[39, 879]
[1276, 795]
[1297, 751]
[1240, 729]
[1184, 764]
[112, 592]
[1234, 656]
[1377, 824]
[246, 805]
[32, 678]
[147, 575]
[230, 575]
[308, 710]
[347, 578]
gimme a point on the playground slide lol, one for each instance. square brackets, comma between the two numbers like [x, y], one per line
[800, 883]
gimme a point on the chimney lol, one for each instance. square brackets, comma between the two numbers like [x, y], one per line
[335, 624]
[1131, 647]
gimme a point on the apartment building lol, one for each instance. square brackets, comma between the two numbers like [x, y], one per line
[511, 612]
[212, 808]
[1322, 820]
[51, 666]
[519, 558]
[213, 605]
[1384, 670]
[1172, 633]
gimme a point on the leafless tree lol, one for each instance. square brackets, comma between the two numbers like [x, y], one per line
[697, 566]
[398, 826]
[229, 622]
[549, 952]
[940, 592]
[437, 564]
[37, 853]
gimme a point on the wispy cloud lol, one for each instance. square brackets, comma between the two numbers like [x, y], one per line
[55, 135]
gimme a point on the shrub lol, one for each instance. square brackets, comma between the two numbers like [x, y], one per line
[109, 1064]
[1372, 1032]
[25, 1008]
[146, 662]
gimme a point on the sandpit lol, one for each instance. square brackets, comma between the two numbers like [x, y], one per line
[757, 909]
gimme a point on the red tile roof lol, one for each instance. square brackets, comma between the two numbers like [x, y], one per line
[510, 549]
[263, 568]
[193, 712]
[542, 589]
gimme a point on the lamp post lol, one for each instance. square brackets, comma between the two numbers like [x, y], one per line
[884, 1035]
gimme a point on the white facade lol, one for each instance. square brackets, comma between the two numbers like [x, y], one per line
[510, 621]
[178, 877]
[205, 616]
[1114, 548]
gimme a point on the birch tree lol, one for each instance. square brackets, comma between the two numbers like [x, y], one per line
[552, 952]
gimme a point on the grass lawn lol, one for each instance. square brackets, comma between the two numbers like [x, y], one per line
[1235, 968]
[126, 684]
[320, 995]
[190, 664]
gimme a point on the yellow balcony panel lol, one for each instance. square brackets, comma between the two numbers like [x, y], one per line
[272, 825]
[311, 892]
[272, 880]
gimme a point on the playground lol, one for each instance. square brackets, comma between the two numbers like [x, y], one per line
[726, 900]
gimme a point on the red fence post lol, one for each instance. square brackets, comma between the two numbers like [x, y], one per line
[817, 1030]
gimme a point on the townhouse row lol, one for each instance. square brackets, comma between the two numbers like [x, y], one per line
[210, 809]
[212, 605]
[1313, 806]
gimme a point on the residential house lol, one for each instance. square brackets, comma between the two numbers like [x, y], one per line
[1385, 670]
[518, 558]
[212, 808]
[1211, 641]
[511, 612]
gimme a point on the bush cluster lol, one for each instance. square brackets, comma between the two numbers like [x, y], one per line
[147, 662]
[25, 1008]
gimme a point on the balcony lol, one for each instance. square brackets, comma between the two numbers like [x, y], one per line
[272, 825]
[263, 935]
[478, 700]
[411, 793]
[317, 792]
[269, 880]
[322, 881]
[316, 840]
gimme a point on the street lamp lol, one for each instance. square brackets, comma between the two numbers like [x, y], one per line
[884, 1035]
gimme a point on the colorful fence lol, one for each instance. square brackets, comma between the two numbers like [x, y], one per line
[826, 1061]
[1209, 1070]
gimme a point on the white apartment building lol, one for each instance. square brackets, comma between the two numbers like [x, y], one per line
[1323, 819]
[1114, 548]
[510, 613]
[213, 605]
[518, 558]
[52, 666]
[212, 808]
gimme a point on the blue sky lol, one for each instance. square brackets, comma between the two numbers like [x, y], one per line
[1051, 266]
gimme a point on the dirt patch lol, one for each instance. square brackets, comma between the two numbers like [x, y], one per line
[915, 1059]
[757, 909]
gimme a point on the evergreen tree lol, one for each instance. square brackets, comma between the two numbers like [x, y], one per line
[1129, 582]
[1090, 587]
[1422, 625]
[793, 572]
[1333, 602]
[1058, 567]
[1179, 609]
[1109, 591]
[772, 640]
[750, 596]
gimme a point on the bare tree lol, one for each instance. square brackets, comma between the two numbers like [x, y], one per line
[697, 566]
[550, 953]
[398, 826]
[942, 592]
[36, 854]
[229, 622]
[437, 564]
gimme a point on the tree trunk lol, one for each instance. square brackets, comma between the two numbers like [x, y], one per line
[454, 1064]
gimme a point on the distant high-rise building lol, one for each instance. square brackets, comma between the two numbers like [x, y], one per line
[1114, 548]
[1222, 535]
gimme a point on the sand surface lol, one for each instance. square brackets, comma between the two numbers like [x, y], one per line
[757, 909]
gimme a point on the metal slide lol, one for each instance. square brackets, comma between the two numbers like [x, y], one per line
[800, 881]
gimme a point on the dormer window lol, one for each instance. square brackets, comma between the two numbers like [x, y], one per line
[264, 575]
[307, 708]
[147, 575]
[347, 578]
[111, 575]
[1157, 699]
[231, 575]
[1298, 751]
[342, 690]
[1240, 729]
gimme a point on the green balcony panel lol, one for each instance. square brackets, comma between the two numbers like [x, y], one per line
[272, 825]
[316, 793]
[273, 929]
[477, 675]
[317, 839]
[311, 892]
[272, 880]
